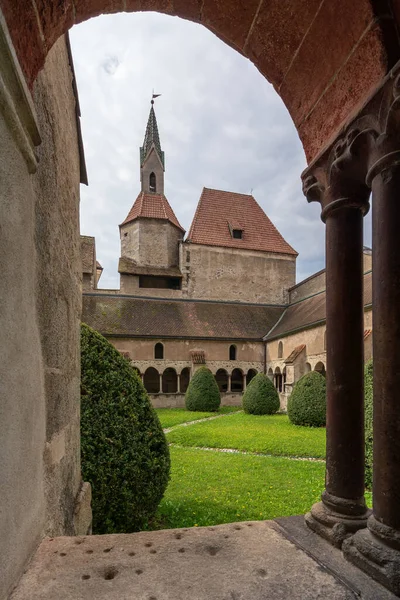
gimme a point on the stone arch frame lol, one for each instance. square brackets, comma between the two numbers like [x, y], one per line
[251, 29]
[237, 380]
[184, 377]
[320, 368]
[308, 368]
[278, 379]
[233, 352]
[151, 380]
[270, 374]
[169, 381]
[250, 374]
[222, 379]
[159, 353]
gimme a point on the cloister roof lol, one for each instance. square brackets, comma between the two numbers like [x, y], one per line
[310, 311]
[131, 316]
[218, 212]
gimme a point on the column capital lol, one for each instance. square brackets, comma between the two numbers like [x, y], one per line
[341, 176]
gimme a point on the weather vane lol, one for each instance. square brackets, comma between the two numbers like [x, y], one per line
[154, 96]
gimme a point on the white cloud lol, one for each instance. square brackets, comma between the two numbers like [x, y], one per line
[221, 125]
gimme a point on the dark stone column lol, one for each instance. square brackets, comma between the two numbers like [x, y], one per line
[377, 549]
[342, 510]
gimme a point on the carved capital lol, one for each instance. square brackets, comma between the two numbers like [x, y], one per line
[367, 146]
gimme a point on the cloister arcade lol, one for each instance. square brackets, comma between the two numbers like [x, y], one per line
[172, 381]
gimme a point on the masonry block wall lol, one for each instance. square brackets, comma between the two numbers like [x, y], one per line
[40, 299]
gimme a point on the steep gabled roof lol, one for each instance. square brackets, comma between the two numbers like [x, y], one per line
[152, 206]
[151, 138]
[219, 212]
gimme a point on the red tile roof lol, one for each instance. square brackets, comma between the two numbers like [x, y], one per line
[152, 206]
[217, 211]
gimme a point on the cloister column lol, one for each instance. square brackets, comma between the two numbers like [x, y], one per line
[344, 200]
[229, 388]
[244, 382]
[377, 549]
[178, 383]
[161, 389]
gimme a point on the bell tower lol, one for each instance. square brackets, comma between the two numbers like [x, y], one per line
[152, 163]
[151, 234]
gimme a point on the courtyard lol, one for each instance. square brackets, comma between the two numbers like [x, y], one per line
[229, 466]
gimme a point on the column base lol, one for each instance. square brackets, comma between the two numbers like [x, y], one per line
[376, 550]
[336, 519]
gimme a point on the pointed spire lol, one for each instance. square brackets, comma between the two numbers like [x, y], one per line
[151, 138]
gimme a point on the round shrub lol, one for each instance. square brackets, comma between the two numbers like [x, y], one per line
[202, 392]
[307, 402]
[260, 396]
[125, 456]
[368, 412]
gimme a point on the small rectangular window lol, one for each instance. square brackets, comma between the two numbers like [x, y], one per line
[237, 234]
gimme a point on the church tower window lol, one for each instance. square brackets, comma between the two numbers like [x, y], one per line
[152, 182]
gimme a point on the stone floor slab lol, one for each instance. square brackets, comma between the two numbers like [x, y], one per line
[240, 561]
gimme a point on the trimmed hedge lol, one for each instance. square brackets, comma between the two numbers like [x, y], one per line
[307, 402]
[368, 416]
[260, 396]
[125, 456]
[202, 393]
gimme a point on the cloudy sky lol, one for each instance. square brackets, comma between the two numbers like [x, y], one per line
[221, 125]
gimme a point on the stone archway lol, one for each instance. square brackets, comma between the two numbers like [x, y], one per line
[237, 380]
[151, 381]
[251, 373]
[320, 368]
[221, 377]
[184, 379]
[281, 43]
[169, 381]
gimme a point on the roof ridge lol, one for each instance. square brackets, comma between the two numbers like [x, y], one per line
[193, 223]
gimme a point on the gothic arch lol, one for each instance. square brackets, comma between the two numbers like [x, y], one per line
[221, 377]
[250, 374]
[320, 368]
[169, 381]
[237, 380]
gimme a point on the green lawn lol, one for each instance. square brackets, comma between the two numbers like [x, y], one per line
[208, 488]
[175, 416]
[265, 434]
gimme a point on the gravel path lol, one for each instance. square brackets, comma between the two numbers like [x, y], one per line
[234, 451]
[168, 429]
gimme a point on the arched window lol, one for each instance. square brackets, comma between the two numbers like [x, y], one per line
[280, 350]
[221, 377]
[159, 350]
[169, 381]
[151, 380]
[152, 182]
[232, 352]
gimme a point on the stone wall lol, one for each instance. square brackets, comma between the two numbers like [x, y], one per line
[216, 273]
[151, 242]
[178, 400]
[40, 299]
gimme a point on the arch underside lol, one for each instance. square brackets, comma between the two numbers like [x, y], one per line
[284, 44]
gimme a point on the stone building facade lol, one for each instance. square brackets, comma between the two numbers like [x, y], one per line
[224, 296]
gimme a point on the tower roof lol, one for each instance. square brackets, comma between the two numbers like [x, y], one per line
[220, 213]
[151, 138]
[152, 206]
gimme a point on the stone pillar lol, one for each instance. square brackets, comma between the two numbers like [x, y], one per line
[244, 382]
[342, 509]
[377, 549]
[160, 392]
[178, 383]
[229, 383]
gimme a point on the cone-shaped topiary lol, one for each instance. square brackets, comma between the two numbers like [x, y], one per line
[202, 392]
[368, 411]
[307, 402]
[260, 397]
[125, 455]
